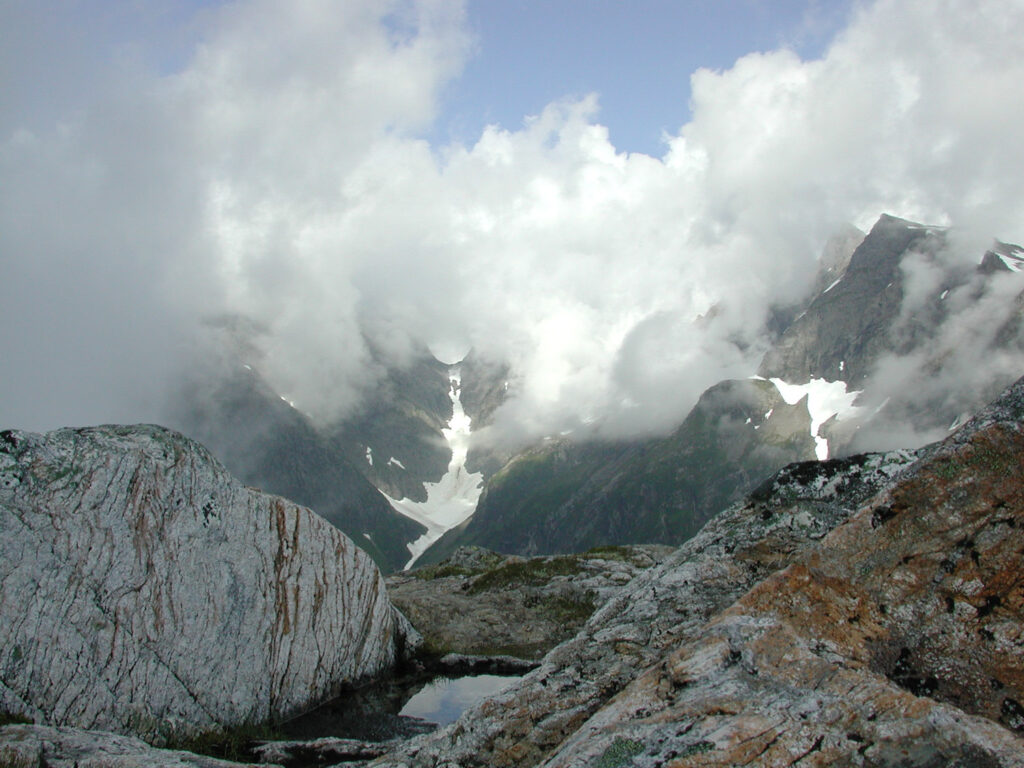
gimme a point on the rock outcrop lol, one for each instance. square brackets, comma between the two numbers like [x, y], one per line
[481, 603]
[33, 746]
[866, 611]
[144, 590]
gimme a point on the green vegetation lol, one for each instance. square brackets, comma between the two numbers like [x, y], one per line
[485, 560]
[568, 611]
[978, 457]
[620, 752]
[696, 749]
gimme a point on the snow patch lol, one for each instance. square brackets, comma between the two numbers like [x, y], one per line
[393, 462]
[1013, 263]
[369, 455]
[945, 293]
[452, 499]
[959, 421]
[825, 399]
[832, 286]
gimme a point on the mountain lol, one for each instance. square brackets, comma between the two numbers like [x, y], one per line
[395, 438]
[858, 611]
[144, 590]
[898, 342]
[569, 497]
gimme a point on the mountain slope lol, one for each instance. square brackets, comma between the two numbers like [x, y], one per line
[565, 497]
[394, 439]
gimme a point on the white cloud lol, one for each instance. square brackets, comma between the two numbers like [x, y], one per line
[278, 174]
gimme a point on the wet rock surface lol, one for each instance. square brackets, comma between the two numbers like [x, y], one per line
[856, 612]
[144, 590]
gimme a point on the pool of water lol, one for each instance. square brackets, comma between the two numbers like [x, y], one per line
[400, 707]
[443, 700]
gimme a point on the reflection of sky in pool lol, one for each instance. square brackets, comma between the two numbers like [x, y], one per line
[443, 700]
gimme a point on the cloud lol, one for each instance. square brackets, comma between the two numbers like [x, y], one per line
[278, 173]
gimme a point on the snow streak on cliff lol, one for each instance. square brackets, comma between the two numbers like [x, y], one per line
[453, 498]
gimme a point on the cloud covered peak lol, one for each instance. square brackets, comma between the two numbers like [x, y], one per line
[280, 174]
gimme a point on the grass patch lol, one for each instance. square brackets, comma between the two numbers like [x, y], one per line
[618, 552]
[571, 613]
[10, 718]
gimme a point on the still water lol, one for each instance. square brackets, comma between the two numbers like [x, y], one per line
[442, 700]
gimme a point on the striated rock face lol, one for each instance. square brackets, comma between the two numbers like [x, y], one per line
[864, 612]
[144, 590]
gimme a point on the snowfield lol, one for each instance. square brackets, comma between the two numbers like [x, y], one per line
[453, 498]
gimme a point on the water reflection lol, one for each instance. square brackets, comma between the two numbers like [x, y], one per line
[443, 700]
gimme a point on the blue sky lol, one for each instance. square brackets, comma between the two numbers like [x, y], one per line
[637, 56]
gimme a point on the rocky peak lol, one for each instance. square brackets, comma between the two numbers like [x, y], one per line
[846, 326]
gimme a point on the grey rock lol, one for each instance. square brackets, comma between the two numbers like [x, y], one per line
[32, 746]
[144, 590]
[481, 603]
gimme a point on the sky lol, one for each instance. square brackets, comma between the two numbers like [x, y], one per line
[608, 196]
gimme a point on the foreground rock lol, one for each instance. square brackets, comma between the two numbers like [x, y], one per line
[144, 590]
[857, 612]
[34, 746]
[481, 603]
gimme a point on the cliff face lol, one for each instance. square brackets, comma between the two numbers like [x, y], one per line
[865, 611]
[144, 590]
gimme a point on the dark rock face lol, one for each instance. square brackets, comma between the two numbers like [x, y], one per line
[565, 497]
[395, 438]
[865, 611]
[485, 386]
[849, 323]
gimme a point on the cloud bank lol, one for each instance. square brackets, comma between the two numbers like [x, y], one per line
[278, 173]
